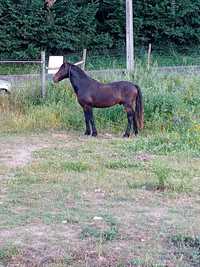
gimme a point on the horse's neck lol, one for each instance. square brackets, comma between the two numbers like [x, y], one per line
[79, 79]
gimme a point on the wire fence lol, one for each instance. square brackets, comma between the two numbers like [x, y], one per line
[25, 73]
[116, 58]
[110, 59]
[33, 73]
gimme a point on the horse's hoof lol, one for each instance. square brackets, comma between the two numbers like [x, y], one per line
[94, 134]
[126, 135]
[87, 133]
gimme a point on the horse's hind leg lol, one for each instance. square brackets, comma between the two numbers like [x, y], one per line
[135, 128]
[129, 111]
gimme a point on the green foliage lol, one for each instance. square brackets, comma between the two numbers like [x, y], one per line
[28, 26]
[159, 22]
[162, 173]
[100, 234]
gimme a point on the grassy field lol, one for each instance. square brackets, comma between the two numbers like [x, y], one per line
[68, 200]
[71, 200]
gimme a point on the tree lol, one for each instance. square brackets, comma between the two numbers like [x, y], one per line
[62, 26]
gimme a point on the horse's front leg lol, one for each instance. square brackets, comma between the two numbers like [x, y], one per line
[87, 121]
[94, 130]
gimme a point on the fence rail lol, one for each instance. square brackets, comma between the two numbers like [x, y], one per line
[21, 61]
[180, 69]
[106, 73]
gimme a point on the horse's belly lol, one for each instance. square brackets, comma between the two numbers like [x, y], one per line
[105, 103]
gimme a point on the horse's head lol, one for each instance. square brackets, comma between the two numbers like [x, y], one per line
[62, 73]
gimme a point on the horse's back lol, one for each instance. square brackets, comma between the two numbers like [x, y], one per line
[122, 85]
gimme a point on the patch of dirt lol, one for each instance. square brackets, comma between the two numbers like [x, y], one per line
[31, 257]
[97, 196]
[40, 244]
[17, 152]
[19, 156]
[144, 157]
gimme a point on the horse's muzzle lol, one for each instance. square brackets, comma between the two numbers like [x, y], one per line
[55, 79]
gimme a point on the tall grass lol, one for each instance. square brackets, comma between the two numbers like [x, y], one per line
[171, 104]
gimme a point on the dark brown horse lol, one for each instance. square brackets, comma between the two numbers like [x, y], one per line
[93, 94]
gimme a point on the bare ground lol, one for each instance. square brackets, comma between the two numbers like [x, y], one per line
[114, 225]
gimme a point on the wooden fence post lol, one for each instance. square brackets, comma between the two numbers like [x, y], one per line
[43, 75]
[84, 58]
[149, 57]
[129, 36]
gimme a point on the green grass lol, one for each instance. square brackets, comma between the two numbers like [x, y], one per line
[121, 164]
[74, 179]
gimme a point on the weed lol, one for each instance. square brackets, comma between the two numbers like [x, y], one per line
[188, 241]
[137, 262]
[162, 173]
[103, 232]
[105, 235]
[8, 252]
[120, 164]
[188, 247]
[75, 166]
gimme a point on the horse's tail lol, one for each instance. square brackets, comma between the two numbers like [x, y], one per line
[139, 109]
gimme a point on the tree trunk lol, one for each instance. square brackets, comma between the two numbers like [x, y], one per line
[49, 3]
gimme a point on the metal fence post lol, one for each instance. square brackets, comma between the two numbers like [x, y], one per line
[43, 75]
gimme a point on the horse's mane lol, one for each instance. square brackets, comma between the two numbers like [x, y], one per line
[80, 72]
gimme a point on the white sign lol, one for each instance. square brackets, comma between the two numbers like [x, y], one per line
[54, 64]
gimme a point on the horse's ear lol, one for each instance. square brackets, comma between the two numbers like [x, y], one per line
[66, 63]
